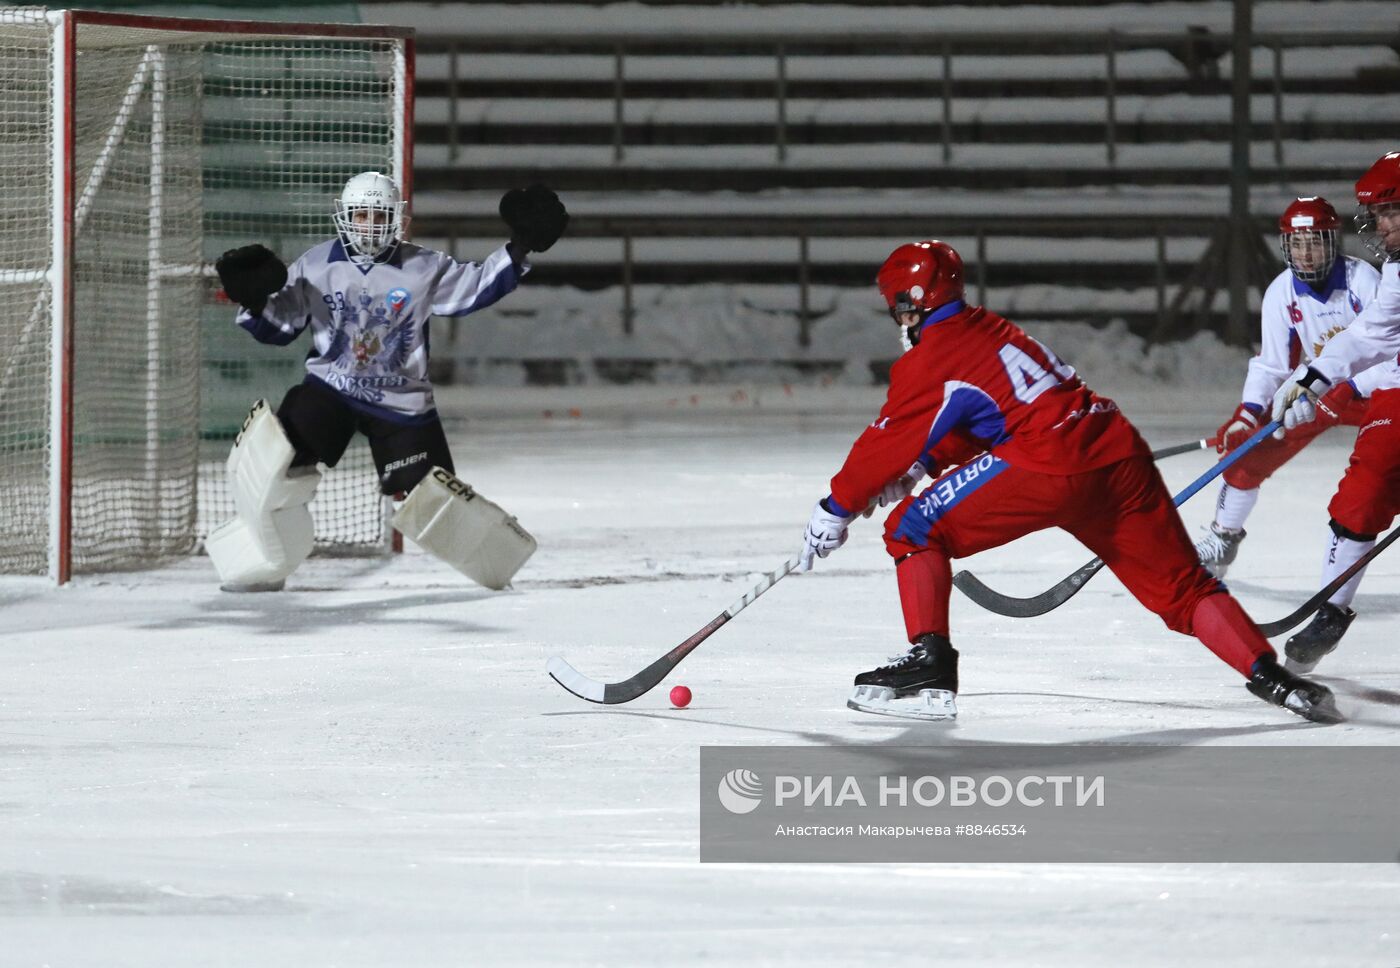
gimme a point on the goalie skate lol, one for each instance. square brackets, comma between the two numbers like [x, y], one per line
[927, 704]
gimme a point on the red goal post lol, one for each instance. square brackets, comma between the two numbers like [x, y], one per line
[143, 147]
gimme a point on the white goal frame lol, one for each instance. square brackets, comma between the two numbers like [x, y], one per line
[68, 207]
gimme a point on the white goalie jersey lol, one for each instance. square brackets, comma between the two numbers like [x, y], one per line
[369, 325]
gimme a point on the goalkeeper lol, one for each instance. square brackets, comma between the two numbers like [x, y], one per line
[366, 296]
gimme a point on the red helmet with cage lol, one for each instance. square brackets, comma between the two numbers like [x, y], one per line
[920, 277]
[1378, 190]
[1308, 232]
[1381, 183]
[1309, 214]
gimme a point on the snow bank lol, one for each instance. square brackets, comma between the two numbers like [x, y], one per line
[718, 333]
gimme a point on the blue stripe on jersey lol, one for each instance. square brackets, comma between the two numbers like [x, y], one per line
[265, 331]
[505, 282]
[943, 495]
[971, 408]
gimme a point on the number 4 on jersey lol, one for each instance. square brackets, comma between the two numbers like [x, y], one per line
[1028, 378]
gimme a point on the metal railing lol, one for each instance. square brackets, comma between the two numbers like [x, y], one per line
[1198, 50]
[1231, 242]
[1173, 298]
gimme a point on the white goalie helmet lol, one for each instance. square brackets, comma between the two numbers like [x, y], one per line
[369, 216]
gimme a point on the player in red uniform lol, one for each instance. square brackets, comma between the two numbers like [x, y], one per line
[1368, 497]
[1031, 447]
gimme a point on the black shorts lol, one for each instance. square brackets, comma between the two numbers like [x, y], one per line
[320, 425]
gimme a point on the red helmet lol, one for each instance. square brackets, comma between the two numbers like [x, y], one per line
[1308, 230]
[1380, 186]
[921, 276]
[1312, 214]
[1381, 183]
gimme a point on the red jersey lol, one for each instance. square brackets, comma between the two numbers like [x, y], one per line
[976, 381]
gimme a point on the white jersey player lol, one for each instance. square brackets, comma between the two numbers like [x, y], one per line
[1316, 297]
[1368, 497]
[366, 297]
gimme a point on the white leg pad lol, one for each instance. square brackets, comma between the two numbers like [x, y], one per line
[272, 532]
[258, 465]
[448, 519]
[265, 551]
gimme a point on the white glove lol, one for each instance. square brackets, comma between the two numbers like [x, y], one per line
[899, 488]
[826, 531]
[1295, 402]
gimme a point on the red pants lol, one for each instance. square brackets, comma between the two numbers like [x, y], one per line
[1123, 513]
[1267, 456]
[1368, 498]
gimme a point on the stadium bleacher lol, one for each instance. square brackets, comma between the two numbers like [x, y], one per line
[1078, 154]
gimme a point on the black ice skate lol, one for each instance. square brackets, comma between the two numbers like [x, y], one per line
[1273, 683]
[920, 684]
[1306, 649]
[1218, 547]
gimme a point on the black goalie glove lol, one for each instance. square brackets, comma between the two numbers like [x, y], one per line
[250, 274]
[536, 217]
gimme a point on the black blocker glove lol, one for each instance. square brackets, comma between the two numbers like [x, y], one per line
[249, 274]
[535, 216]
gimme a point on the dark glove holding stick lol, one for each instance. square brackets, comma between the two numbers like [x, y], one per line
[535, 216]
[250, 274]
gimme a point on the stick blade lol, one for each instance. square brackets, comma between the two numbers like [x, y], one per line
[613, 693]
[610, 693]
[1048, 600]
[574, 681]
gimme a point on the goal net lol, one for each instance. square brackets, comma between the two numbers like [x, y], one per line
[138, 149]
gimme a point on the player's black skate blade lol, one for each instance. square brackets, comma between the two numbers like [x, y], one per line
[1303, 697]
[929, 705]
[1306, 649]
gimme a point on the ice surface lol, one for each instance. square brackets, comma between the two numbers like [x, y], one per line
[372, 768]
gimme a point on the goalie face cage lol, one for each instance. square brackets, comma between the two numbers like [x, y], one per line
[138, 149]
